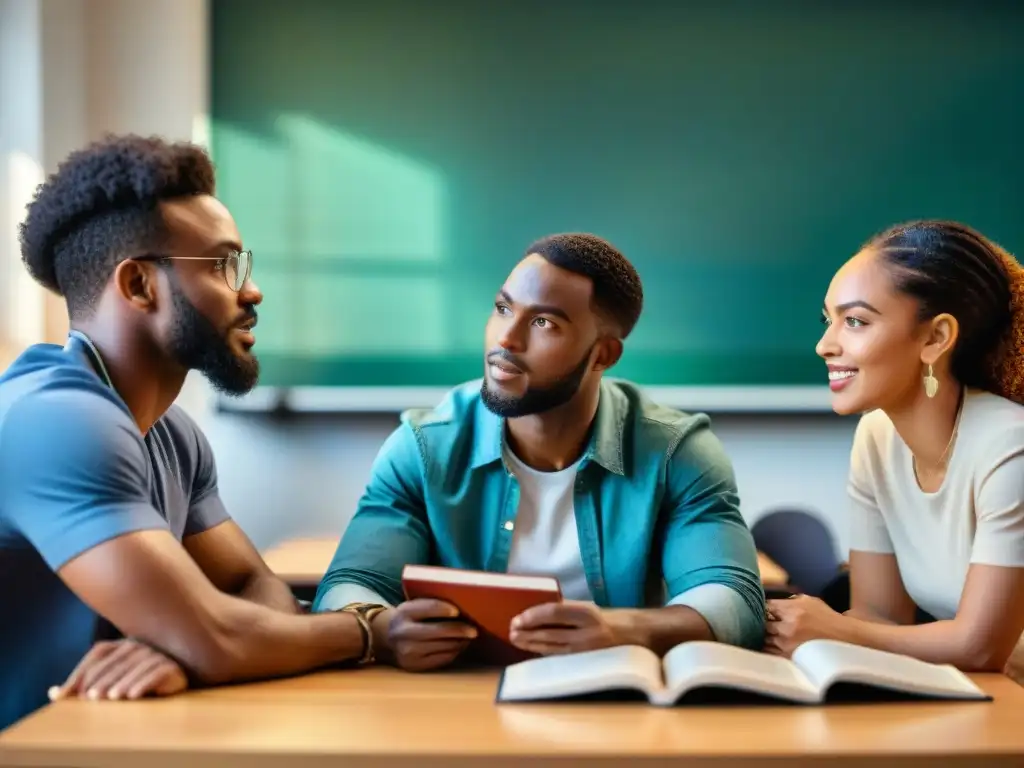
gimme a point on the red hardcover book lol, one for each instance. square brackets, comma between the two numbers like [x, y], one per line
[488, 601]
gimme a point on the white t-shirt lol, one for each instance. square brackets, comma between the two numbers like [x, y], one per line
[976, 516]
[545, 540]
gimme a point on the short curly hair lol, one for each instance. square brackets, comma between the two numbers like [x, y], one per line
[950, 267]
[618, 293]
[102, 206]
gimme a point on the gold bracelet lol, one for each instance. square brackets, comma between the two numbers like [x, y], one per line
[364, 613]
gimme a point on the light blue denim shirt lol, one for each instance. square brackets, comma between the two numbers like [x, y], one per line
[656, 506]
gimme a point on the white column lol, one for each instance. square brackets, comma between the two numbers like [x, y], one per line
[70, 72]
[147, 72]
[22, 318]
[147, 67]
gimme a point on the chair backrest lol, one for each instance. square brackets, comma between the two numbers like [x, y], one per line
[802, 544]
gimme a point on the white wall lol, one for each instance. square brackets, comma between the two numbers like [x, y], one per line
[141, 65]
[20, 147]
[321, 465]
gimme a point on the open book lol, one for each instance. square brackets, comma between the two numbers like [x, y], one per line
[488, 601]
[820, 671]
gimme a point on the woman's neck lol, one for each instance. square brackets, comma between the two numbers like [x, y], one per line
[928, 425]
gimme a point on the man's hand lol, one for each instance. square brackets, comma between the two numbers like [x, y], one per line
[425, 634]
[567, 627]
[122, 669]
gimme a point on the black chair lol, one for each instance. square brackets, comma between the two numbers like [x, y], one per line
[802, 545]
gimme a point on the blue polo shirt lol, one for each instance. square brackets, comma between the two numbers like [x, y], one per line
[75, 472]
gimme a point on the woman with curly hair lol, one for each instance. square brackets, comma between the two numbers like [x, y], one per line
[924, 334]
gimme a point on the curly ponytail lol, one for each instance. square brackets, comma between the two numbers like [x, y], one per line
[1006, 362]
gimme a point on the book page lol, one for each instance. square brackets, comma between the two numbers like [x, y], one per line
[608, 669]
[702, 664]
[442, 575]
[826, 662]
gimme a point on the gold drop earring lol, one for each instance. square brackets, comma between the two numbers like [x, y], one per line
[931, 384]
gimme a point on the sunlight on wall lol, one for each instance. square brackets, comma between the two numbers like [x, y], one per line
[25, 300]
[347, 239]
[349, 314]
[200, 133]
[252, 180]
[379, 204]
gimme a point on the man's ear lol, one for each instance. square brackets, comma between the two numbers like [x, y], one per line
[609, 350]
[136, 283]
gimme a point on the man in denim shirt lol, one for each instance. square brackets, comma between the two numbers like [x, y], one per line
[547, 468]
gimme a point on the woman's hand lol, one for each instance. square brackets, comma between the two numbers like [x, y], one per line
[795, 620]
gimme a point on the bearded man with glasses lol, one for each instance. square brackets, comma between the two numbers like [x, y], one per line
[109, 511]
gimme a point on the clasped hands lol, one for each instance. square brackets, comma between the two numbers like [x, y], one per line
[426, 634]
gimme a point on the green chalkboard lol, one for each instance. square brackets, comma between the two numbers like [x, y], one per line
[388, 161]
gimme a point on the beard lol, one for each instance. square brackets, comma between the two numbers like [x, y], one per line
[536, 399]
[197, 345]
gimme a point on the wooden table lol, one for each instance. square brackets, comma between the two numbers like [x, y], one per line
[772, 574]
[302, 562]
[382, 717]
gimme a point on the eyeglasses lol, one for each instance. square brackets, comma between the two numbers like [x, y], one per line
[236, 266]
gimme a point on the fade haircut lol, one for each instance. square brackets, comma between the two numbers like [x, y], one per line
[101, 206]
[618, 293]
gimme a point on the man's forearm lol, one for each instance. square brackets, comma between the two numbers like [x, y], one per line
[709, 611]
[659, 629]
[345, 593]
[268, 590]
[249, 642]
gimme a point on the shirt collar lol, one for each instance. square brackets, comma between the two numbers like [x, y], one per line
[606, 441]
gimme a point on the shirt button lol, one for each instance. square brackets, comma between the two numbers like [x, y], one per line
[509, 525]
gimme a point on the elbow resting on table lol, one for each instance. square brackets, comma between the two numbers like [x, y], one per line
[975, 650]
[209, 666]
[218, 649]
[388, 589]
[732, 603]
[981, 657]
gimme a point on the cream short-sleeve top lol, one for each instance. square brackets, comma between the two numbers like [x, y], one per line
[976, 516]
